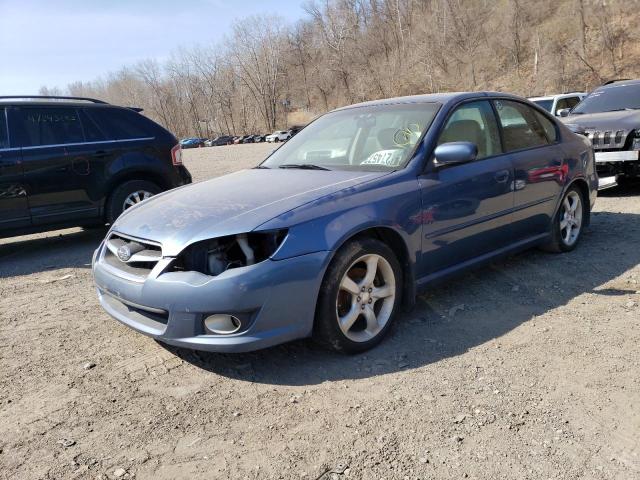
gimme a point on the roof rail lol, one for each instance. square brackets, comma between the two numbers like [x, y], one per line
[50, 97]
[609, 82]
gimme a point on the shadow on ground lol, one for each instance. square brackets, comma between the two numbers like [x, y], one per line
[494, 300]
[50, 251]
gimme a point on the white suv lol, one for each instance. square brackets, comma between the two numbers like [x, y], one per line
[279, 136]
[555, 103]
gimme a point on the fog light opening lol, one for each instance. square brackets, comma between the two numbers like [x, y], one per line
[222, 324]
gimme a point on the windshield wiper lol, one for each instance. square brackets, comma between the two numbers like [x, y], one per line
[621, 109]
[262, 167]
[303, 166]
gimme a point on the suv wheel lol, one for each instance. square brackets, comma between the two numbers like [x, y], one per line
[359, 297]
[568, 223]
[127, 195]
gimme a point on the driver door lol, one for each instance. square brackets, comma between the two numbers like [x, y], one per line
[466, 208]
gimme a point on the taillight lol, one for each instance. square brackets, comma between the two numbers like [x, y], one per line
[176, 155]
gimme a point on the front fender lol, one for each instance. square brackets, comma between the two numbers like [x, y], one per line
[326, 224]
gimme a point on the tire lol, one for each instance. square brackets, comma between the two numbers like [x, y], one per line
[366, 317]
[117, 199]
[562, 239]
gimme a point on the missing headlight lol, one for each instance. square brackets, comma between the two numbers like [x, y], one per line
[212, 257]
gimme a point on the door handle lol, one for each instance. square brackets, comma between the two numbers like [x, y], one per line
[100, 154]
[501, 176]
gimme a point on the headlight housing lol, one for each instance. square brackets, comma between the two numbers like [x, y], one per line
[212, 257]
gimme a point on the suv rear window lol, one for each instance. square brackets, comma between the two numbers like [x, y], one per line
[120, 123]
[4, 135]
[48, 126]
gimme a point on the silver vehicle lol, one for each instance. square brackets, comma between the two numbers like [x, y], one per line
[556, 103]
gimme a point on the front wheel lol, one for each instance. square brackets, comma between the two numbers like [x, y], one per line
[128, 194]
[568, 223]
[359, 297]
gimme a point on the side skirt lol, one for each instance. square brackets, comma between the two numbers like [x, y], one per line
[436, 277]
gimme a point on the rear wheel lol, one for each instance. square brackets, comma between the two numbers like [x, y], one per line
[128, 194]
[359, 297]
[568, 223]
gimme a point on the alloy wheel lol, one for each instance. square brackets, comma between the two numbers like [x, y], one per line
[571, 218]
[366, 297]
[135, 198]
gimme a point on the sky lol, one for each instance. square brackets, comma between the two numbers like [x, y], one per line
[57, 42]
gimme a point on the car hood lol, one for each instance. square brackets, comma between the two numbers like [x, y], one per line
[606, 121]
[234, 203]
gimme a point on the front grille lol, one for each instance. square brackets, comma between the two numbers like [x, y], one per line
[132, 256]
[608, 139]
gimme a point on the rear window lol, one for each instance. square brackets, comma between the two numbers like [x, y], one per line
[521, 126]
[48, 126]
[4, 135]
[120, 123]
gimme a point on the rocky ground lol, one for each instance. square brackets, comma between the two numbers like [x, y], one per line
[527, 369]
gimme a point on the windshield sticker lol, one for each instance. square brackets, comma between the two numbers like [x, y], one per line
[388, 158]
[404, 137]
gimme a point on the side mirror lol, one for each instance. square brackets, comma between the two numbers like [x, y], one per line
[563, 112]
[455, 152]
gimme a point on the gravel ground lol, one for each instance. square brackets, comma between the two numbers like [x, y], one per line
[526, 369]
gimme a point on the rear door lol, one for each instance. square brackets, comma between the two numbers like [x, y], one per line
[466, 208]
[14, 209]
[56, 181]
[531, 139]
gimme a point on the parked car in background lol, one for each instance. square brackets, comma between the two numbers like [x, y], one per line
[218, 141]
[295, 129]
[192, 142]
[279, 136]
[72, 161]
[555, 103]
[345, 222]
[247, 139]
[237, 139]
[610, 118]
[259, 138]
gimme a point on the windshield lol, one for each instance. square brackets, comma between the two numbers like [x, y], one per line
[611, 98]
[546, 104]
[380, 137]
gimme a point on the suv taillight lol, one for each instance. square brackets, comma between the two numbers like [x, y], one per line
[176, 155]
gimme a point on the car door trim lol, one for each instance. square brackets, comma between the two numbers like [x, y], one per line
[470, 223]
[77, 144]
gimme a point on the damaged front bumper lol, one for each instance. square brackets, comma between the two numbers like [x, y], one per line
[274, 300]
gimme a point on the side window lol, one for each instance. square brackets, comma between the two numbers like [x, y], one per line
[48, 126]
[568, 102]
[520, 126]
[120, 123]
[473, 122]
[91, 131]
[548, 126]
[4, 134]
[572, 101]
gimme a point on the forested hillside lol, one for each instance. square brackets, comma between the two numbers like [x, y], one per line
[346, 51]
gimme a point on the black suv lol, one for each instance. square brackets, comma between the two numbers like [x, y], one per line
[72, 161]
[610, 117]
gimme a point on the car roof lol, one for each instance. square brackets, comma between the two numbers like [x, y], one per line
[432, 98]
[618, 83]
[559, 95]
[56, 103]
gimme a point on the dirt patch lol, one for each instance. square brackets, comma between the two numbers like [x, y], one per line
[526, 369]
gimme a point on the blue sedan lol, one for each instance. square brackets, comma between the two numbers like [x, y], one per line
[344, 224]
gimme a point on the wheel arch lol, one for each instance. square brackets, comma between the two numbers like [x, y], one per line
[394, 240]
[127, 176]
[583, 187]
